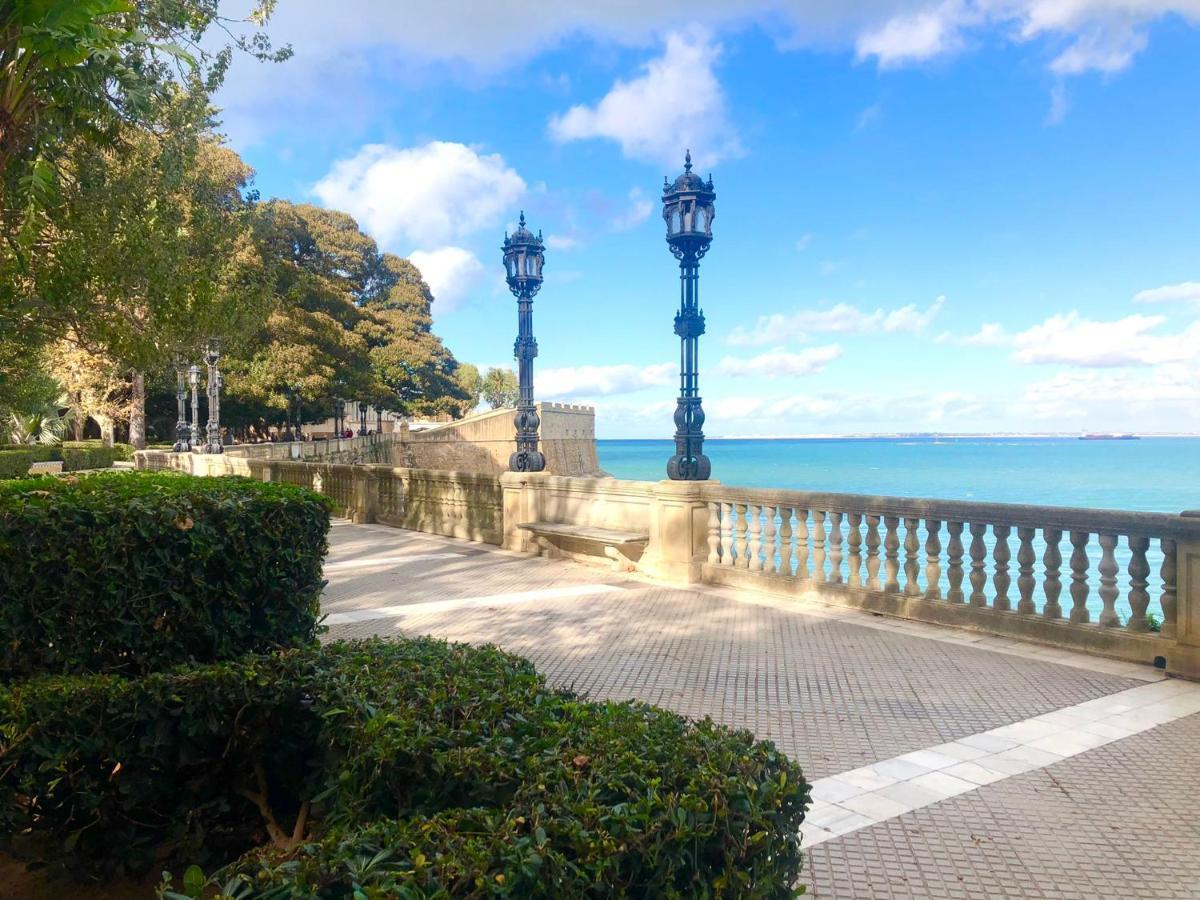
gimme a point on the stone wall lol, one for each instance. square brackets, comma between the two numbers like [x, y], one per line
[482, 443]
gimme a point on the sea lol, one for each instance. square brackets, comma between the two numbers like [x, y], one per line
[1150, 474]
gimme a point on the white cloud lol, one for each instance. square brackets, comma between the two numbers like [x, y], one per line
[803, 241]
[990, 334]
[450, 272]
[636, 213]
[675, 104]
[1073, 340]
[1164, 398]
[1184, 292]
[840, 319]
[914, 35]
[779, 363]
[603, 381]
[426, 195]
[561, 242]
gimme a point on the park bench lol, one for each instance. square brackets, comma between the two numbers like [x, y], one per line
[624, 548]
[49, 467]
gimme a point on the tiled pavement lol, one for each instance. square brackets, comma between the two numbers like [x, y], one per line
[843, 691]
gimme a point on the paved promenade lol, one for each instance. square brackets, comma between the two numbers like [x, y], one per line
[945, 765]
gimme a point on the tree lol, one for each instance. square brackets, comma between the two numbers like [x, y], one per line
[95, 387]
[156, 250]
[500, 388]
[471, 383]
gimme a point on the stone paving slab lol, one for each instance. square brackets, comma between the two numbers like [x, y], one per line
[831, 694]
[1119, 821]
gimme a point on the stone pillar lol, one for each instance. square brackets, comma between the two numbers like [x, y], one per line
[1186, 658]
[268, 472]
[522, 504]
[365, 495]
[678, 532]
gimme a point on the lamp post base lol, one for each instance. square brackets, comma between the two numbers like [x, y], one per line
[527, 461]
[695, 467]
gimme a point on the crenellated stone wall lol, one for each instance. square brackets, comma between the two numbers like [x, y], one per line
[482, 443]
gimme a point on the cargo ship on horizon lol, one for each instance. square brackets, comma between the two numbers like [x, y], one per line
[1109, 437]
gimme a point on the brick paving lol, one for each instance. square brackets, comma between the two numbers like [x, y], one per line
[834, 695]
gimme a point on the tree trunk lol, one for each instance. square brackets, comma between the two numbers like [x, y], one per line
[137, 411]
[107, 428]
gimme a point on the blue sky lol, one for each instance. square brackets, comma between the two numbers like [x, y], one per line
[953, 216]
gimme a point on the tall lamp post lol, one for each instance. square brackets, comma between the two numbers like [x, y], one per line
[194, 381]
[689, 211]
[339, 417]
[523, 258]
[212, 357]
[182, 432]
[362, 418]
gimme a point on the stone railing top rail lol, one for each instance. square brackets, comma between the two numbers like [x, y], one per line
[1067, 518]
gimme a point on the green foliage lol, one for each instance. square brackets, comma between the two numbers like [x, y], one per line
[133, 572]
[500, 388]
[15, 463]
[77, 457]
[409, 768]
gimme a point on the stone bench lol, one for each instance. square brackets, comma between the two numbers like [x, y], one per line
[624, 548]
[49, 467]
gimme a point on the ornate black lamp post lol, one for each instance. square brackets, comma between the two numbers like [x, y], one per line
[362, 418]
[523, 258]
[182, 432]
[339, 417]
[194, 381]
[212, 357]
[689, 211]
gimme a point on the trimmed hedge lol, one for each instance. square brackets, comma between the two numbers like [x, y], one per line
[423, 768]
[15, 463]
[135, 572]
[74, 455]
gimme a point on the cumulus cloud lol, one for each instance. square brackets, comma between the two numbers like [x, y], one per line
[1163, 398]
[1073, 340]
[676, 103]
[839, 319]
[561, 241]
[1184, 292]
[450, 272]
[426, 196]
[914, 35]
[990, 334]
[779, 363]
[603, 381]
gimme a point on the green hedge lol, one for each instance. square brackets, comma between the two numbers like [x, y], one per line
[428, 769]
[135, 572]
[15, 463]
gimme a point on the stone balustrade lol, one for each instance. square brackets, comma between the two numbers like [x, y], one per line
[1098, 580]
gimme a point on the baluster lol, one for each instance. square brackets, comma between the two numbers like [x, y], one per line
[933, 560]
[728, 534]
[912, 563]
[978, 575]
[1052, 561]
[1139, 572]
[891, 548]
[714, 534]
[785, 540]
[835, 548]
[802, 543]
[873, 553]
[770, 552]
[1000, 578]
[1168, 600]
[854, 521]
[1025, 582]
[955, 553]
[818, 537]
[743, 553]
[754, 548]
[1079, 577]
[1108, 581]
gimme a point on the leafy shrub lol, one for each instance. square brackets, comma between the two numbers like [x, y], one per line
[94, 457]
[41, 452]
[410, 768]
[132, 573]
[15, 463]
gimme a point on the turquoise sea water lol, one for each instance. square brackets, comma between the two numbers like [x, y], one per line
[1148, 475]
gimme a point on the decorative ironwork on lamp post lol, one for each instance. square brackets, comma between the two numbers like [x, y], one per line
[212, 358]
[194, 381]
[689, 211]
[339, 418]
[362, 418]
[182, 431]
[524, 255]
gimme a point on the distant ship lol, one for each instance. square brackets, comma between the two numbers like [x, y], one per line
[1109, 437]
